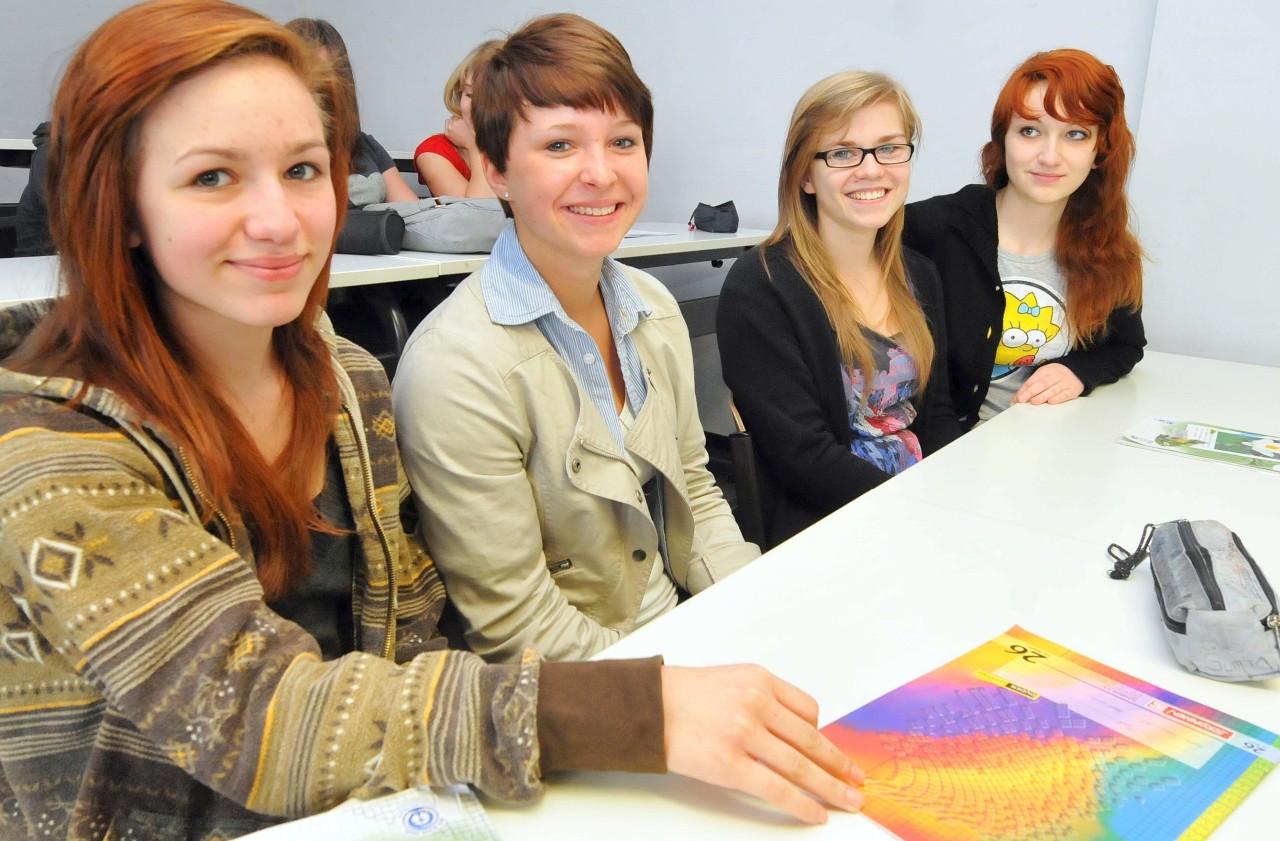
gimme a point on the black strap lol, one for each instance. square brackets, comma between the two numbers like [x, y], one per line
[1124, 561]
[653, 496]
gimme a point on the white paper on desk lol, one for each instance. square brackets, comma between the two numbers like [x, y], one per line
[443, 814]
[1254, 450]
[635, 233]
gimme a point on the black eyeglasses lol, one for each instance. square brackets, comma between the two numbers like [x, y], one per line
[887, 154]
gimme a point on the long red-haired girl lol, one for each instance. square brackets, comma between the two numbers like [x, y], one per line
[1042, 276]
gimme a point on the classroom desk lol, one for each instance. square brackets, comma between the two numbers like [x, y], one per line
[1007, 526]
[676, 244]
[349, 270]
[25, 277]
[669, 244]
[16, 151]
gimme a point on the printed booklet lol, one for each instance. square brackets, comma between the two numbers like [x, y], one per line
[1201, 440]
[1023, 739]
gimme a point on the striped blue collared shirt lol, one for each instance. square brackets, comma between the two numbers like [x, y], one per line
[515, 293]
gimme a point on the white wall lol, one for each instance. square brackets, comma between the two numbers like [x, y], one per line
[725, 76]
[1206, 185]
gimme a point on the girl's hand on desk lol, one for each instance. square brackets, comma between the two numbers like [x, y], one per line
[742, 728]
[1051, 383]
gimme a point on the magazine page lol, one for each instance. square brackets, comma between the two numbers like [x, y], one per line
[1022, 738]
[1256, 450]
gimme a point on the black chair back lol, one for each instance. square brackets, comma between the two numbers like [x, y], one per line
[746, 480]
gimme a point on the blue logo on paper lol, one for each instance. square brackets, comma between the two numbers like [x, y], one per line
[421, 820]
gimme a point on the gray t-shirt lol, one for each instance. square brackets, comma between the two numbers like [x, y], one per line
[1035, 324]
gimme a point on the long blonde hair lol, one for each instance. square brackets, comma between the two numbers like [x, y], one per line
[826, 107]
[457, 81]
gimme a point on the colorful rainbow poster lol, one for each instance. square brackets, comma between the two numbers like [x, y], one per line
[1023, 739]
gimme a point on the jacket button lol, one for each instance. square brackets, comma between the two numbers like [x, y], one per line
[577, 465]
[640, 497]
[638, 555]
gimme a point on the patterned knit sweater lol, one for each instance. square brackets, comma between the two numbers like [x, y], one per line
[145, 689]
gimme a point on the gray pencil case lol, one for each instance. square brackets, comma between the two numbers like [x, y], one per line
[1219, 611]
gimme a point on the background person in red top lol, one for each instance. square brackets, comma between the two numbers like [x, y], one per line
[449, 163]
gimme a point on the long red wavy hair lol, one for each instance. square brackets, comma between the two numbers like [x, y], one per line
[1096, 250]
[107, 327]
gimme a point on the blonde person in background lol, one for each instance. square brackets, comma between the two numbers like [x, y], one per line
[449, 163]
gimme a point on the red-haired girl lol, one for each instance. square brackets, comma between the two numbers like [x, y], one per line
[1041, 273]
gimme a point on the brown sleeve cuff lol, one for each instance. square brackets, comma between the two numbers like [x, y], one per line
[603, 715]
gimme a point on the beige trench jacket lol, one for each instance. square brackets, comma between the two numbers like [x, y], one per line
[534, 517]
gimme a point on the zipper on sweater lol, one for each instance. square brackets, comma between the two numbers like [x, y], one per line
[389, 643]
[1202, 564]
[217, 512]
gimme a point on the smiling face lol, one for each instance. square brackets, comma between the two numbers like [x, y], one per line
[234, 201]
[860, 200]
[1047, 159]
[577, 181]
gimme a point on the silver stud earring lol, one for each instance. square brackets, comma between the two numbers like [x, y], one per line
[506, 195]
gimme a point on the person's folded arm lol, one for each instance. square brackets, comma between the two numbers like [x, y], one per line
[440, 175]
[1114, 355]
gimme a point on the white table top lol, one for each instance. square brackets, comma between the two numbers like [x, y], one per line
[22, 278]
[17, 143]
[363, 269]
[1007, 526]
[647, 239]
[27, 278]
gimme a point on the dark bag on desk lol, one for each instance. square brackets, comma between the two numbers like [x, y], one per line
[371, 232]
[448, 224]
[721, 219]
[1219, 611]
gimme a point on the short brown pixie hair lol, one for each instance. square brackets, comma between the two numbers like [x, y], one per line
[555, 60]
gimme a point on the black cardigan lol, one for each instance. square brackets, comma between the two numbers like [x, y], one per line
[780, 358]
[959, 233]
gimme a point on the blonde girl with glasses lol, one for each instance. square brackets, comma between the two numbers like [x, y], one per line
[830, 332]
